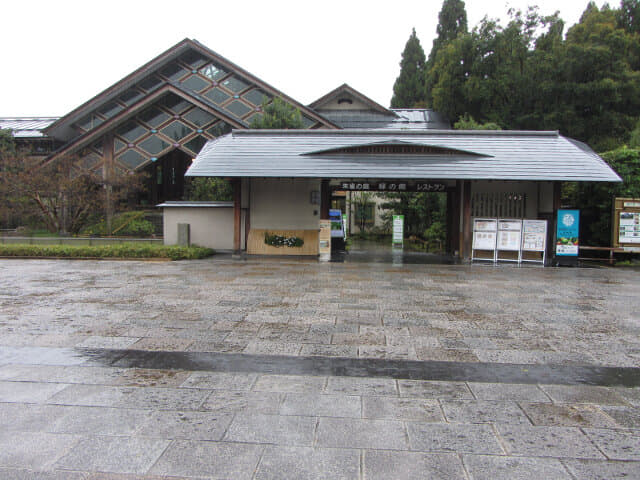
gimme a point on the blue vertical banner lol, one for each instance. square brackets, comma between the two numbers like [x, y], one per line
[568, 233]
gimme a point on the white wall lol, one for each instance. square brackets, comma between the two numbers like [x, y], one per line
[209, 227]
[284, 204]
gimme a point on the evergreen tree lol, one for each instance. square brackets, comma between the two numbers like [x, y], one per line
[629, 15]
[278, 115]
[408, 90]
[452, 21]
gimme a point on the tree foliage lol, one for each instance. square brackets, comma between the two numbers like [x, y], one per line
[595, 198]
[208, 189]
[61, 193]
[526, 75]
[452, 22]
[278, 115]
[408, 89]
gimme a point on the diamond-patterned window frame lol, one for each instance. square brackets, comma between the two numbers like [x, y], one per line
[180, 122]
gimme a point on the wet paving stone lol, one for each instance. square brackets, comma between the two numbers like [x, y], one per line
[278, 429]
[362, 386]
[361, 433]
[321, 405]
[213, 460]
[491, 467]
[304, 463]
[616, 444]
[435, 437]
[431, 390]
[567, 415]
[230, 402]
[600, 470]
[584, 394]
[483, 411]
[382, 465]
[114, 454]
[547, 442]
[408, 409]
[210, 355]
[36, 450]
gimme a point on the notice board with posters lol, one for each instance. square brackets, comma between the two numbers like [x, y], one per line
[509, 240]
[534, 240]
[397, 237]
[626, 224]
[485, 235]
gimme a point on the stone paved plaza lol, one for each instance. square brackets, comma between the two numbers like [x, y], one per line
[80, 398]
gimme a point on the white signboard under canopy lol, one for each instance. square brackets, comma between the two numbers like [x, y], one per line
[509, 234]
[484, 238]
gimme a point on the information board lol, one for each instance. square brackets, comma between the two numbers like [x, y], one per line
[629, 227]
[398, 230]
[567, 235]
[509, 235]
[484, 233]
[534, 235]
[324, 247]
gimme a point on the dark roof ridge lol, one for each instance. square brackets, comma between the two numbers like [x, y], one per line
[379, 132]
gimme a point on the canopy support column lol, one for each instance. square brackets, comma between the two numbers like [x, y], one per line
[466, 220]
[237, 215]
[325, 199]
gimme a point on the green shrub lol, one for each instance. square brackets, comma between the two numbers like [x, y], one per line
[125, 250]
[126, 224]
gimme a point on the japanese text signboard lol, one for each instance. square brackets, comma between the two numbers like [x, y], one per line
[393, 186]
[568, 232]
[398, 230]
[534, 235]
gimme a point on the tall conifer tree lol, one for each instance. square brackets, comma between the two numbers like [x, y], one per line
[452, 21]
[408, 90]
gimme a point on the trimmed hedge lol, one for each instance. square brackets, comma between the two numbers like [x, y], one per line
[125, 250]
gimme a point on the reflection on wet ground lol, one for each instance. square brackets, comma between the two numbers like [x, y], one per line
[367, 251]
[327, 366]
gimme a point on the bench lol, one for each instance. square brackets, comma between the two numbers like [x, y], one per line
[611, 251]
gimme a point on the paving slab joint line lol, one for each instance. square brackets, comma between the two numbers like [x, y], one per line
[464, 467]
[257, 467]
[524, 412]
[171, 442]
[594, 443]
[499, 439]
[567, 469]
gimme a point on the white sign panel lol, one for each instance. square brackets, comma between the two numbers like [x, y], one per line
[484, 240]
[509, 235]
[534, 235]
[398, 230]
[629, 227]
[484, 225]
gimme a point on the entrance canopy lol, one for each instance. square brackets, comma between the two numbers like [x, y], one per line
[425, 154]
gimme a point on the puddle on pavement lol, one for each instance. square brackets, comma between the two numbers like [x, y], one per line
[358, 367]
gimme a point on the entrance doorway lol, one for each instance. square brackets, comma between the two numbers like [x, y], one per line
[429, 210]
[166, 178]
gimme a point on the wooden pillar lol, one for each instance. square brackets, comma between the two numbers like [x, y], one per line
[552, 224]
[455, 219]
[325, 199]
[237, 215]
[107, 175]
[449, 225]
[466, 220]
[247, 215]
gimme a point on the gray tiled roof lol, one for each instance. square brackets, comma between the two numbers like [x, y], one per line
[498, 155]
[24, 127]
[413, 119]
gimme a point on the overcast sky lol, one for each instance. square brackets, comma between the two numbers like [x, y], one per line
[58, 54]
